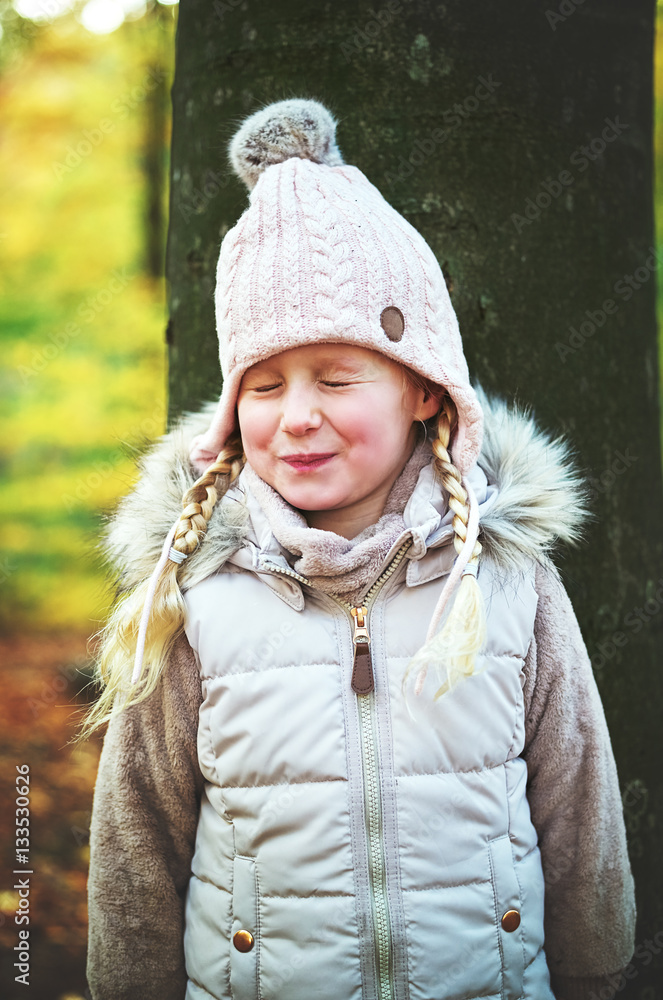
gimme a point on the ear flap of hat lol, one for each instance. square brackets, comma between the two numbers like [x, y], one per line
[205, 447]
[465, 446]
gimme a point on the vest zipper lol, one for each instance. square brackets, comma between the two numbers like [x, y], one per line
[370, 770]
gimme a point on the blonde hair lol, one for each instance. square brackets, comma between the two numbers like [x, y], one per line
[117, 646]
[453, 650]
[455, 646]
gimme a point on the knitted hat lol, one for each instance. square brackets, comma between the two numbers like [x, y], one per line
[319, 256]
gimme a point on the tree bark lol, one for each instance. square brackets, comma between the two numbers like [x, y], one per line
[154, 140]
[517, 138]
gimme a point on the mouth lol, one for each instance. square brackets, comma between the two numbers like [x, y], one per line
[308, 462]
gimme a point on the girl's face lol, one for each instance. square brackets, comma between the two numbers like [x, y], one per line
[330, 427]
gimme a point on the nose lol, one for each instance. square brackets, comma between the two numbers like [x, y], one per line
[299, 411]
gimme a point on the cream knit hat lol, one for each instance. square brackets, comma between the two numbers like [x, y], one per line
[319, 256]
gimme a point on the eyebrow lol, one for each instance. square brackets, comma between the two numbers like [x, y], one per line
[326, 365]
[341, 364]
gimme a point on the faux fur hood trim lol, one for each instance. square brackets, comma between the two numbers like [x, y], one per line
[543, 496]
[542, 500]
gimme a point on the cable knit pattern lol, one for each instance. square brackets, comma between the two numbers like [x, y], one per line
[369, 247]
[317, 256]
[231, 251]
[289, 252]
[336, 565]
[263, 294]
[331, 286]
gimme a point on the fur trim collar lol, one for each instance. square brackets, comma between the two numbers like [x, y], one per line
[542, 499]
[543, 496]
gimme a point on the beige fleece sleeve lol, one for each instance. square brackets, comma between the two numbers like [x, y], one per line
[142, 833]
[575, 804]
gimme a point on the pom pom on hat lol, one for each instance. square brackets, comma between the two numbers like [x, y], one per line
[296, 127]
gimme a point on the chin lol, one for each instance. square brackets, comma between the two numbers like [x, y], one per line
[307, 499]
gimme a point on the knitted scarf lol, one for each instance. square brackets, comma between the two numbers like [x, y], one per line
[345, 567]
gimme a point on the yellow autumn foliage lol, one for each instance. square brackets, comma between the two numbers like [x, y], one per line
[81, 322]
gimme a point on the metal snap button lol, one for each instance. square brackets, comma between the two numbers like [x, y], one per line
[510, 920]
[243, 940]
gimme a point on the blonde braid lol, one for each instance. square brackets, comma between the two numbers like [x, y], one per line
[117, 649]
[199, 501]
[456, 645]
[451, 478]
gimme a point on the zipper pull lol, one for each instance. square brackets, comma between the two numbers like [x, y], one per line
[362, 671]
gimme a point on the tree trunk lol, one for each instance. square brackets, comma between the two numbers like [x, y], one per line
[517, 138]
[153, 167]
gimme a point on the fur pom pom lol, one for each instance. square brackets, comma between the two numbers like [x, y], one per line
[280, 131]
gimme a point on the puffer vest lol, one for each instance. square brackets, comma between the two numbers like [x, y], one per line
[360, 847]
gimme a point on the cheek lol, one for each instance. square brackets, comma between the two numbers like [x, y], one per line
[376, 424]
[255, 427]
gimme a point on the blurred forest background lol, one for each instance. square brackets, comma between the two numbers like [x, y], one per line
[84, 153]
[84, 148]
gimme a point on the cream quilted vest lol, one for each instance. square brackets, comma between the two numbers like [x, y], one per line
[350, 847]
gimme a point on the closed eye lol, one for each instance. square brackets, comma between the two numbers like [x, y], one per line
[277, 385]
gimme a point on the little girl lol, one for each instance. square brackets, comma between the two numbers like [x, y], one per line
[355, 748]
